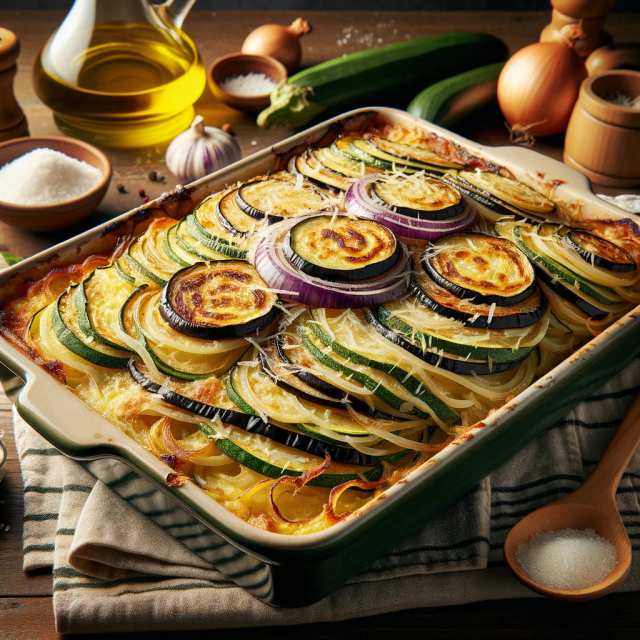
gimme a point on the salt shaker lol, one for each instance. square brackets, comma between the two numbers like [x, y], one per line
[13, 123]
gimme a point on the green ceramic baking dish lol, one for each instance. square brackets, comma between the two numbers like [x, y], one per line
[270, 565]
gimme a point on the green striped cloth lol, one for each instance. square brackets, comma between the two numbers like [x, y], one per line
[124, 558]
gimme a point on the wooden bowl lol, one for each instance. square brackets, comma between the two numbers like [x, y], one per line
[603, 139]
[51, 217]
[236, 64]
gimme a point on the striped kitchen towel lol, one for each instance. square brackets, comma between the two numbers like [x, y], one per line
[125, 558]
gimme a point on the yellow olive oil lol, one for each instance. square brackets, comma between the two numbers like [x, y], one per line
[131, 85]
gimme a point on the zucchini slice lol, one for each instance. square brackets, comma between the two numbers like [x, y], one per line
[271, 459]
[483, 268]
[218, 301]
[214, 243]
[254, 391]
[339, 360]
[410, 155]
[98, 300]
[174, 354]
[171, 252]
[418, 196]
[549, 269]
[441, 301]
[211, 224]
[68, 331]
[455, 364]
[600, 252]
[232, 218]
[279, 198]
[283, 434]
[510, 191]
[347, 167]
[342, 248]
[147, 255]
[187, 245]
[463, 344]
[284, 356]
[299, 165]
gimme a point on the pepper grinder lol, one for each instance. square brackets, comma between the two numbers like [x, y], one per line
[13, 123]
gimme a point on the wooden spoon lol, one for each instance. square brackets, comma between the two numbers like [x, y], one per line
[591, 506]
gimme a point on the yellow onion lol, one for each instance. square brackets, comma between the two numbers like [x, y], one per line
[279, 42]
[539, 85]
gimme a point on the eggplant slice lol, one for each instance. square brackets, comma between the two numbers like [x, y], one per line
[279, 198]
[419, 196]
[481, 268]
[288, 437]
[481, 316]
[216, 301]
[600, 252]
[341, 248]
[436, 358]
[279, 360]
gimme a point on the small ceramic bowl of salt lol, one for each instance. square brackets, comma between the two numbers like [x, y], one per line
[49, 182]
[244, 81]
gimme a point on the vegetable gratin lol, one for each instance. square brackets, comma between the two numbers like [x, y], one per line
[303, 340]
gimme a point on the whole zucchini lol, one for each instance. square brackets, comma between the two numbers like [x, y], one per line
[385, 76]
[452, 99]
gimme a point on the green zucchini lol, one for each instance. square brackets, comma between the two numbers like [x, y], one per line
[558, 271]
[274, 460]
[98, 300]
[311, 331]
[384, 76]
[459, 349]
[65, 325]
[186, 244]
[213, 242]
[452, 99]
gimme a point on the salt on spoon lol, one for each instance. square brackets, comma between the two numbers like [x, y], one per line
[567, 559]
[591, 507]
[44, 176]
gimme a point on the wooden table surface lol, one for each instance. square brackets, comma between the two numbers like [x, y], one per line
[25, 600]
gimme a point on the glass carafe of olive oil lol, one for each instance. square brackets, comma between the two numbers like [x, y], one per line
[121, 73]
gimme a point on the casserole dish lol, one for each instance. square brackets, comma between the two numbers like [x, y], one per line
[272, 566]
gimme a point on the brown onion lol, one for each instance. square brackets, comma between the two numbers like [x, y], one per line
[539, 85]
[279, 42]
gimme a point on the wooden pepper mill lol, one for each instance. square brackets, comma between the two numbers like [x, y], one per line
[13, 123]
[591, 12]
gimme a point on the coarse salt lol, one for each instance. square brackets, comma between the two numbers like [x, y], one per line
[250, 84]
[567, 559]
[44, 176]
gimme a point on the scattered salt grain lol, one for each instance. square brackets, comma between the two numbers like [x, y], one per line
[251, 84]
[45, 176]
[567, 559]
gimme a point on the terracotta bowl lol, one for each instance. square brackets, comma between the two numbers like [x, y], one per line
[62, 214]
[236, 64]
[603, 139]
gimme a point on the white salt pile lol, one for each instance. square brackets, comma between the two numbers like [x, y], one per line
[45, 176]
[251, 84]
[567, 559]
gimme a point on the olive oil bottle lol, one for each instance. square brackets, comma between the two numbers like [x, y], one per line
[121, 73]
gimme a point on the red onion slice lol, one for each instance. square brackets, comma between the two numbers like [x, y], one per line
[360, 203]
[269, 259]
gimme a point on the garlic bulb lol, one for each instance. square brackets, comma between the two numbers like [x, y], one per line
[201, 150]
